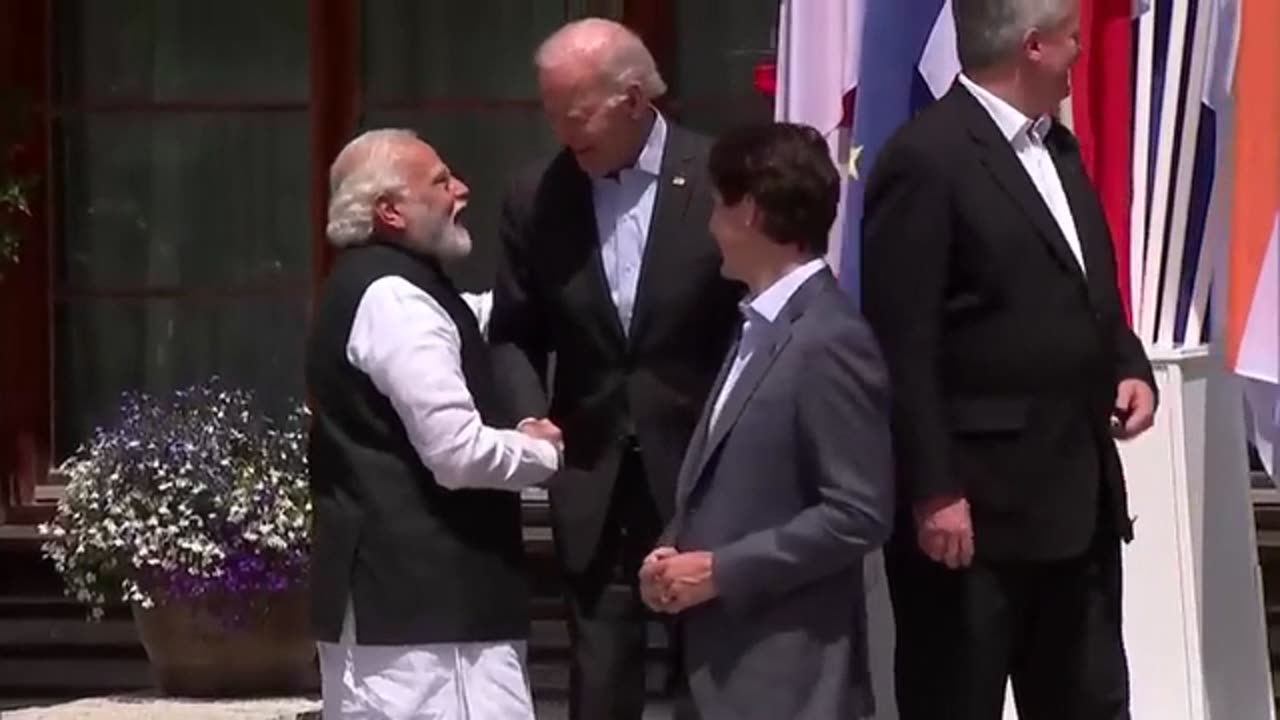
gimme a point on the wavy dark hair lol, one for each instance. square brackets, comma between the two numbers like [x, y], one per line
[786, 168]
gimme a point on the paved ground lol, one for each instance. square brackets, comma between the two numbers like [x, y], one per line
[135, 707]
[138, 707]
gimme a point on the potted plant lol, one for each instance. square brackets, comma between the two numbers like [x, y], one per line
[195, 510]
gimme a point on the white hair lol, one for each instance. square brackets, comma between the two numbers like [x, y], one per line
[988, 32]
[620, 54]
[365, 170]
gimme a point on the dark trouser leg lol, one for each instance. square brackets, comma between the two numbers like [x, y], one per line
[682, 708]
[1071, 665]
[954, 634]
[607, 618]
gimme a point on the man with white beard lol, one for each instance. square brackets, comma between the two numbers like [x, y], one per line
[419, 598]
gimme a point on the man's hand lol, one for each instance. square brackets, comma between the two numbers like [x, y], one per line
[1135, 409]
[652, 590]
[542, 429]
[945, 530]
[684, 580]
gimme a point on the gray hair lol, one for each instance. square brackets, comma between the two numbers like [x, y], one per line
[988, 32]
[622, 57]
[366, 169]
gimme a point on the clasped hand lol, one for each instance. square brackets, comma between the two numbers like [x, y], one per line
[672, 581]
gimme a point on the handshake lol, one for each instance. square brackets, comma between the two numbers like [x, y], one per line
[542, 429]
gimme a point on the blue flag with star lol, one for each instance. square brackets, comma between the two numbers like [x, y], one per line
[908, 61]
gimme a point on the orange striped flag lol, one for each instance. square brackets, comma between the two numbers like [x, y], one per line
[1252, 330]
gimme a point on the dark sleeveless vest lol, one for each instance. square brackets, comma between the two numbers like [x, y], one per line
[421, 564]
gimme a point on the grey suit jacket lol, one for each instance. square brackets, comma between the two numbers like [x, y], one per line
[789, 491]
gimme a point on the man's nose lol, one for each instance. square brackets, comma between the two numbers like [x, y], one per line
[460, 190]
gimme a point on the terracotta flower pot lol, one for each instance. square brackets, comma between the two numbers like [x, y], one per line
[195, 652]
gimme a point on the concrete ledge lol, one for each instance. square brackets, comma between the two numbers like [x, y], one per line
[149, 707]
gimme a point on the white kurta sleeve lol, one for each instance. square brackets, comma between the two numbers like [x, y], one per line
[410, 348]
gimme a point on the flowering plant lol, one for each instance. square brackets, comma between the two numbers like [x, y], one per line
[200, 496]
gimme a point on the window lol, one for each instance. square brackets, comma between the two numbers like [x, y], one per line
[182, 150]
[182, 243]
[460, 74]
[718, 45]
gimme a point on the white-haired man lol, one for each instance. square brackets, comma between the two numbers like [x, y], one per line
[418, 595]
[607, 263]
[990, 282]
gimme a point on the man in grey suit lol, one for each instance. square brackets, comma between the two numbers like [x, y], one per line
[787, 481]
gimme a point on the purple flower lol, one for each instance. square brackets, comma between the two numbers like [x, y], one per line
[201, 495]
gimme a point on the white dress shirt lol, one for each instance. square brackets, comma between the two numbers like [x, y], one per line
[758, 315]
[411, 349]
[1027, 138]
[624, 211]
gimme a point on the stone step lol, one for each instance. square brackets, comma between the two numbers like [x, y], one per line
[33, 637]
[83, 677]
[72, 676]
[112, 637]
[39, 606]
[71, 657]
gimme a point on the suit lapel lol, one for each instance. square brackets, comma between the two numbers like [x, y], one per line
[667, 246]
[580, 219]
[692, 462]
[1091, 224]
[766, 352]
[1002, 161]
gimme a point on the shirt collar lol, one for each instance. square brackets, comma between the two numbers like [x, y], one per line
[1010, 120]
[649, 162]
[769, 303]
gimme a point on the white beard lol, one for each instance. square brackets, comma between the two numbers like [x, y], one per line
[453, 241]
[440, 237]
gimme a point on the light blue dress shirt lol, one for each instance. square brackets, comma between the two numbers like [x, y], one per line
[624, 212]
[758, 315]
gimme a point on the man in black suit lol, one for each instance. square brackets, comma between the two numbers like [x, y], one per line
[990, 281]
[607, 264]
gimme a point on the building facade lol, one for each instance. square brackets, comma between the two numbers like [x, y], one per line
[176, 156]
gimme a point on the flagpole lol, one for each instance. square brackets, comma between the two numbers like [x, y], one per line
[1186, 162]
[1138, 209]
[1224, 31]
[1162, 187]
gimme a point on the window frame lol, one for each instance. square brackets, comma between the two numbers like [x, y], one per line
[29, 291]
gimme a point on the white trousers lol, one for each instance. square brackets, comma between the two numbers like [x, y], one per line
[445, 681]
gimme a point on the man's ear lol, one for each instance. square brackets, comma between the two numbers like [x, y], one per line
[387, 213]
[1033, 44]
[636, 103]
